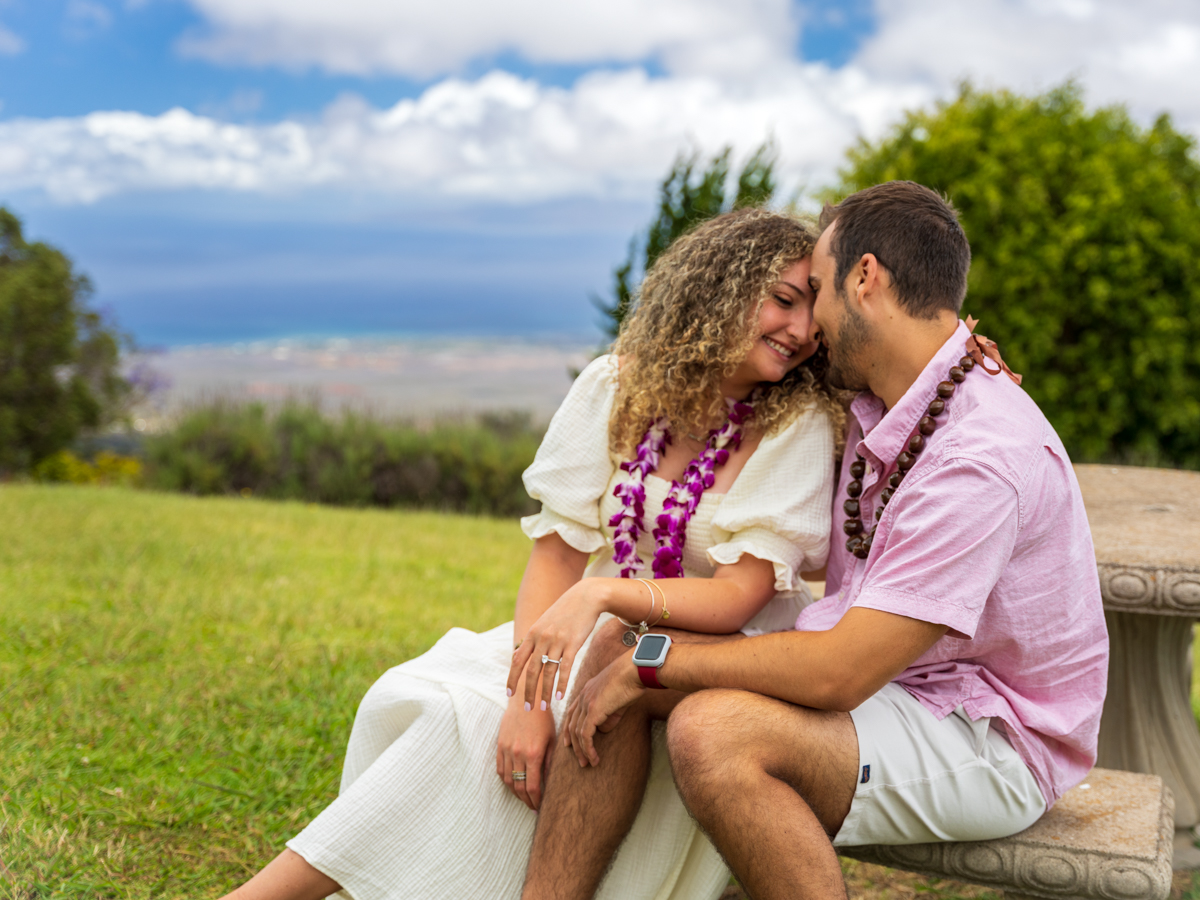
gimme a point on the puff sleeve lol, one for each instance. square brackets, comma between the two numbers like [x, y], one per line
[779, 507]
[572, 467]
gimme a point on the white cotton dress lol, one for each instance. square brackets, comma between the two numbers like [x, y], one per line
[422, 813]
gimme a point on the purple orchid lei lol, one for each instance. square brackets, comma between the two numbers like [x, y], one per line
[670, 531]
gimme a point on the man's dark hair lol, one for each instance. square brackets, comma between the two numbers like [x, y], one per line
[914, 234]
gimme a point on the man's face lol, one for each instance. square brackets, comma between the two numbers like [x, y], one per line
[845, 333]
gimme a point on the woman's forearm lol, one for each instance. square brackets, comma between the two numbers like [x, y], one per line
[554, 567]
[718, 605]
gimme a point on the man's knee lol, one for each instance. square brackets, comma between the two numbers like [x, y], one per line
[706, 740]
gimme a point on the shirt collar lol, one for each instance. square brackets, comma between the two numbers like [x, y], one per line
[887, 431]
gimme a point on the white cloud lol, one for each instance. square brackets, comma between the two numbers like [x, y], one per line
[500, 137]
[363, 37]
[614, 131]
[10, 43]
[86, 18]
[1144, 54]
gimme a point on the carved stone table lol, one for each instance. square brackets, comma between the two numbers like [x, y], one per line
[1146, 528]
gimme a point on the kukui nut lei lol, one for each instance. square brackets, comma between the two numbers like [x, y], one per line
[858, 543]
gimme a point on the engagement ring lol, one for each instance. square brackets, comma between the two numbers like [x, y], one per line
[546, 659]
[518, 776]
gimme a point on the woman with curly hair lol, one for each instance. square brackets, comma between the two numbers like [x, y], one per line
[687, 476]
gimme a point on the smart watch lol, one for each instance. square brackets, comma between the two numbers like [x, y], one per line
[649, 656]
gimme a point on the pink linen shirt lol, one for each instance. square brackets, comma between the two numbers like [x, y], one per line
[987, 535]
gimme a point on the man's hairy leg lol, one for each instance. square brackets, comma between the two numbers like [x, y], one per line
[770, 783]
[586, 812]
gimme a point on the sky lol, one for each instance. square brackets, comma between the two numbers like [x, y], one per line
[229, 170]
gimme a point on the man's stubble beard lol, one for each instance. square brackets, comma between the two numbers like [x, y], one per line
[854, 337]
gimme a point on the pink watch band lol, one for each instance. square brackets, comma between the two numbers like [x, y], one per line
[649, 676]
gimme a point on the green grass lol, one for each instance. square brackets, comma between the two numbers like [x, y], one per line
[178, 676]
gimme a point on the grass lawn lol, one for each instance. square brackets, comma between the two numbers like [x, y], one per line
[178, 676]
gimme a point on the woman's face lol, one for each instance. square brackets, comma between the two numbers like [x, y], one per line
[787, 337]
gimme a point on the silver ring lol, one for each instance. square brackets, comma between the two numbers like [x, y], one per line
[546, 659]
[518, 776]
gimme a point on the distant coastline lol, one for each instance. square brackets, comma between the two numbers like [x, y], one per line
[412, 376]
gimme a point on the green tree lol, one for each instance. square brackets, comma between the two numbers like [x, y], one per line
[1085, 235]
[688, 196]
[59, 359]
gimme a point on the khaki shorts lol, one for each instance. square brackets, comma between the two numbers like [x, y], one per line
[922, 780]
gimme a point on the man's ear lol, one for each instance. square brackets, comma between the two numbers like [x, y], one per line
[871, 282]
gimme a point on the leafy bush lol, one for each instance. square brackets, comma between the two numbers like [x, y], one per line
[59, 360]
[297, 453]
[1085, 234]
[107, 468]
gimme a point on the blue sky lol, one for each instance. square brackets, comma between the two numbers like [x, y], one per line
[84, 56]
[243, 169]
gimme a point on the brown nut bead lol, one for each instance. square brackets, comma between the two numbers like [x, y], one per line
[853, 544]
[878, 513]
[927, 425]
[886, 495]
[858, 468]
[894, 480]
[862, 551]
[957, 374]
[945, 389]
[966, 363]
[854, 488]
[852, 526]
[851, 509]
[936, 407]
[916, 444]
[904, 462]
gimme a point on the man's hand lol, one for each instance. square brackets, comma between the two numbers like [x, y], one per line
[598, 706]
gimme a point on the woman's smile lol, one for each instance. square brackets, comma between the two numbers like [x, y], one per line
[782, 349]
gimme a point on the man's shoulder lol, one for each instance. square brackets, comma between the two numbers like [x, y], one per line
[995, 424]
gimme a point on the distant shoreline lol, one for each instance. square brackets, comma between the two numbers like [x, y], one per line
[412, 376]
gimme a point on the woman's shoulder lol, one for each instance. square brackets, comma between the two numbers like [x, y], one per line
[813, 423]
[603, 368]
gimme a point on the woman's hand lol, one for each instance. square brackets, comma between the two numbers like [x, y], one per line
[558, 634]
[523, 746]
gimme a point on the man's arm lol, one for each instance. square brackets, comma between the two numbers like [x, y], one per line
[836, 669]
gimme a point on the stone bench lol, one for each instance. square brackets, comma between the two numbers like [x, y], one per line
[1110, 838]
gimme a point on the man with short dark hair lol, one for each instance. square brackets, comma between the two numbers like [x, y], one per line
[949, 685]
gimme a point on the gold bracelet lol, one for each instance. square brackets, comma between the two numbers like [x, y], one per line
[642, 626]
[650, 588]
[664, 614]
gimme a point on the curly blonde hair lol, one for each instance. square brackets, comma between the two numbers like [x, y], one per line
[696, 319]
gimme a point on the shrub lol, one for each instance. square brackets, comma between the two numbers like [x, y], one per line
[107, 468]
[297, 453]
[1085, 234]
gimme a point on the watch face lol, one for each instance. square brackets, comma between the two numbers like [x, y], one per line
[649, 648]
